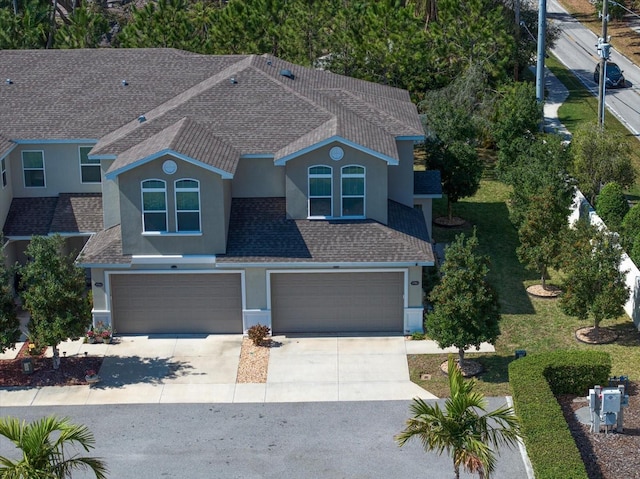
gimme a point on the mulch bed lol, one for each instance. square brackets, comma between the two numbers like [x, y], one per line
[588, 335]
[611, 455]
[445, 222]
[72, 370]
[550, 292]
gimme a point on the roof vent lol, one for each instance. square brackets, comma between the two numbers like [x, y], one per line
[125, 82]
[269, 62]
[288, 74]
[233, 80]
[9, 81]
[142, 118]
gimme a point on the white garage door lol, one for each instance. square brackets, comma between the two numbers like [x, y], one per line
[176, 303]
[337, 302]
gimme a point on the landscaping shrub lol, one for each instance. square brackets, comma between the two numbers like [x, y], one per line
[634, 254]
[612, 205]
[258, 333]
[534, 381]
[630, 227]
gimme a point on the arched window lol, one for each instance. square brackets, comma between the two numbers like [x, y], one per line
[154, 206]
[187, 205]
[353, 191]
[320, 181]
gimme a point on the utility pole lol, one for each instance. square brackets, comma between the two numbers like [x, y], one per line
[542, 30]
[603, 48]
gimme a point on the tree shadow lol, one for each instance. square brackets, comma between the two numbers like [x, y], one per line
[496, 368]
[117, 372]
[628, 335]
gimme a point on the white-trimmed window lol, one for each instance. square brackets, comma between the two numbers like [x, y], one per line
[352, 190]
[33, 169]
[154, 206]
[3, 171]
[320, 199]
[89, 168]
[187, 205]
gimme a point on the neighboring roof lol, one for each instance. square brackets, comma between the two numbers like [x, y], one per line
[404, 240]
[242, 102]
[104, 247]
[427, 183]
[68, 213]
[282, 240]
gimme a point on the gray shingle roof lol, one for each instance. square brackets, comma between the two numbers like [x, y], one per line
[5, 146]
[184, 137]
[68, 213]
[427, 183]
[259, 232]
[104, 247]
[261, 113]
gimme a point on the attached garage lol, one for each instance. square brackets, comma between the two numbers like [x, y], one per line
[337, 302]
[176, 303]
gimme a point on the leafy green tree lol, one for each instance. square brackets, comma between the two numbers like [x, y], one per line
[85, 28]
[466, 311]
[54, 294]
[612, 205]
[26, 30]
[451, 127]
[532, 165]
[594, 286]
[9, 322]
[630, 226]
[164, 24]
[516, 113]
[45, 447]
[600, 156]
[464, 428]
[635, 250]
[469, 32]
[541, 233]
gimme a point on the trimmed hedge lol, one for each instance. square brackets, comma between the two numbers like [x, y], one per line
[535, 380]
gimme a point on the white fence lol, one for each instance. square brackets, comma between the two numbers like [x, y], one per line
[581, 208]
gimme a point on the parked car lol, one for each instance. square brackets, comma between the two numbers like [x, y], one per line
[614, 76]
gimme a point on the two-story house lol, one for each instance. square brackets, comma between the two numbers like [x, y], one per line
[211, 193]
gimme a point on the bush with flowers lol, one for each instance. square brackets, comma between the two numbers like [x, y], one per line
[104, 331]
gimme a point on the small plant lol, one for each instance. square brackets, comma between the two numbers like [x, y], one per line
[90, 373]
[104, 331]
[417, 336]
[258, 333]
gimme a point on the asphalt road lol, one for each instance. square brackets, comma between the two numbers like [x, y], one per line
[576, 50]
[329, 440]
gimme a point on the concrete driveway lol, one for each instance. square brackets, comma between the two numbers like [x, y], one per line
[203, 369]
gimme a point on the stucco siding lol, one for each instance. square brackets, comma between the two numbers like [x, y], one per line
[110, 197]
[401, 175]
[258, 178]
[61, 170]
[6, 193]
[375, 181]
[211, 240]
[256, 282]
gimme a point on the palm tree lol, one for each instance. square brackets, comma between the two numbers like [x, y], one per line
[44, 444]
[464, 428]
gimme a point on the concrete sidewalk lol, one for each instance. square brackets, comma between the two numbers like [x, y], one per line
[170, 369]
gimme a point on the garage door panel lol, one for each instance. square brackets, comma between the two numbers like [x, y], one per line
[337, 302]
[176, 303]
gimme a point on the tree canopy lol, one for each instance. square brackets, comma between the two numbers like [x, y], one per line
[45, 445]
[464, 428]
[594, 286]
[54, 293]
[600, 156]
[466, 311]
[9, 323]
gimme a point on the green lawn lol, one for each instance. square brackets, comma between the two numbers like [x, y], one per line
[536, 325]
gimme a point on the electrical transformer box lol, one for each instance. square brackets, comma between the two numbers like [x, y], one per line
[611, 399]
